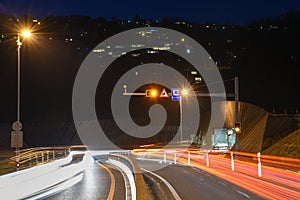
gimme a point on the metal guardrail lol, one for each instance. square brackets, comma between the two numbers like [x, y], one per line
[40, 155]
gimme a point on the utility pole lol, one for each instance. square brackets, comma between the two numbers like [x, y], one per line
[236, 98]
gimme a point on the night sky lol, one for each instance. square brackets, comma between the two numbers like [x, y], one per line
[234, 11]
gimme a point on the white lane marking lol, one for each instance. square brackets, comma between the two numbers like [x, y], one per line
[222, 183]
[243, 193]
[170, 187]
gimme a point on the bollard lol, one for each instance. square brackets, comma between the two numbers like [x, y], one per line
[53, 155]
[18, 165]
[42, 157]
[207, 160]
[165, 157]
[189, 158]
[232, 161]
[259, 165]
[47, 156]
[30, 162]
[36, 158]
[175, 159]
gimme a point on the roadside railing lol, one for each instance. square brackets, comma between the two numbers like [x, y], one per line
[227, 159]
[40, 155]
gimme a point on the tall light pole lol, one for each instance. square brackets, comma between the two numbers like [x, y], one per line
[25, 34]
[237, 120]
[17, 134]
[183, 93]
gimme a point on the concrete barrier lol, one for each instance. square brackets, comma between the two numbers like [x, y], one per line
[141, 191]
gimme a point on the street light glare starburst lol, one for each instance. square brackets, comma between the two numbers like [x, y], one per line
[185, 92]
[26, 33]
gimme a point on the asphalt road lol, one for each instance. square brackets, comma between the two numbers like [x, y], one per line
[95, 185]
[192, 183]
[188, 182]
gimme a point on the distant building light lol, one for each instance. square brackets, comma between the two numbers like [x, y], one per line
[194, 72]
[98, 50]
[137, 45]
[151, 52]
[161, 48]
[198, 79]
[35, 20]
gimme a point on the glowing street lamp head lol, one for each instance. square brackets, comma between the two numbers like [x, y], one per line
[153, 93]
[26, 33]
[184, 92]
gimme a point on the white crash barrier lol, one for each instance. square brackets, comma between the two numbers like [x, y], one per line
[25, 183]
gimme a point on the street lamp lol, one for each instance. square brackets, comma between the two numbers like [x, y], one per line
[25, 34]
[184, 92]
[17, 134]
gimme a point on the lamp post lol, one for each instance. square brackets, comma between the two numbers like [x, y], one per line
[25, 34]
[183, 93]
[17, 134]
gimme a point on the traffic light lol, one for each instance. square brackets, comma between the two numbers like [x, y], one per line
[237, 127]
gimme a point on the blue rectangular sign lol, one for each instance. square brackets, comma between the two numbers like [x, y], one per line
[175, 94]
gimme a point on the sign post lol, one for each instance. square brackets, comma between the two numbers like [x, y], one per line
[17, 140]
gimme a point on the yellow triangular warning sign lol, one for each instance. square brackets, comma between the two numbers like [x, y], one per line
[164, 94]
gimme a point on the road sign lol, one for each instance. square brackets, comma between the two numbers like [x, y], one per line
[175, 94]
[17, 139]
[148, 93]
[164, 94]
[16, 126]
